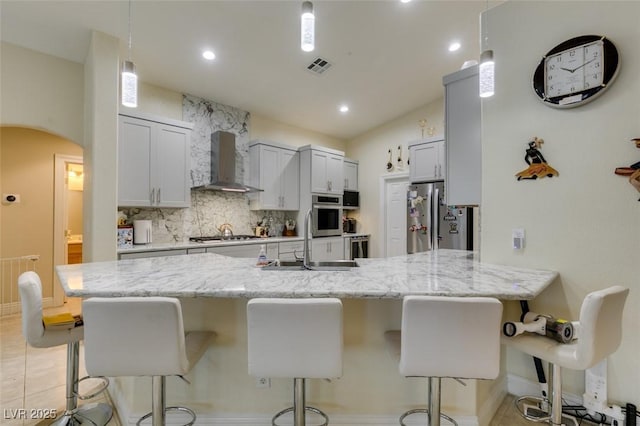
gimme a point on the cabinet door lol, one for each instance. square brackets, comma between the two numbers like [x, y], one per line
[290, 180]
[244, 250]
[425, 162]
[350, 176]
[335, 174]
[172, 165]
[134, 162]
[270, 175]
[463, 135]
[327, 249]
[319, 178]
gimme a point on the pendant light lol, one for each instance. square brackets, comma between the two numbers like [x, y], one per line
[129, 77]
[307, 27]
[487, 66]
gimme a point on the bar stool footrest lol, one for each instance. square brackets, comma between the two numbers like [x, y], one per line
[424, 411]
[310, 409]
[103, 387]
[523, 404]
[181, 409]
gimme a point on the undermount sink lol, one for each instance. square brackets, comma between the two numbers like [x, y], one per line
[296, 265]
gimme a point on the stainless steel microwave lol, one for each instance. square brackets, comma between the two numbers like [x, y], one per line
[327, 215]
[351, 199]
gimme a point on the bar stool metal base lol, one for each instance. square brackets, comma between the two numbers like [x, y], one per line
[310, 409]
[424, 411]
[181, 409]
[97, 414]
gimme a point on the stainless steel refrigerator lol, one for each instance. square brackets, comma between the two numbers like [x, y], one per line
[432, 225]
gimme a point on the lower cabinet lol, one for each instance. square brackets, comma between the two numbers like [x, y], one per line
[289, 250]
[329, 248]
[156, 253]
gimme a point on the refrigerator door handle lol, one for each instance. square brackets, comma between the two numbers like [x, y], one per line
[429, 210]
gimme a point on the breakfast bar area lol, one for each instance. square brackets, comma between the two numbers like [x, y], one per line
[215, 289]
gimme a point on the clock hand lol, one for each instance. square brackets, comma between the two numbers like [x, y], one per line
[588, 62]
[567, 69]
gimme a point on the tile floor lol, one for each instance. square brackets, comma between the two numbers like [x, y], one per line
[35, 378]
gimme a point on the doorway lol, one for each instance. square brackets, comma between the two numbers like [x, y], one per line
[68, 209]
[393, 214]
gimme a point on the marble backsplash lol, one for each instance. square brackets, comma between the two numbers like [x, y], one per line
[209, 210]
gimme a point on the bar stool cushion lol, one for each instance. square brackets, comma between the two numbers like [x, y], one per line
[599, 333]
[30, 288]
[450, 337]
[139, 336]
[295, 338]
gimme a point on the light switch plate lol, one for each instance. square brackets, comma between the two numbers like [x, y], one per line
[517, 238]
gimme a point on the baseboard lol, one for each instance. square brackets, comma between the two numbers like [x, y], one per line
[488, 409]
[335, 420]
[520, 386]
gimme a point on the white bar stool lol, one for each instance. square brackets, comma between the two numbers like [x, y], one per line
[30, 288]
[295, 338]
[142, 336]
[599, 334]
[456, 337]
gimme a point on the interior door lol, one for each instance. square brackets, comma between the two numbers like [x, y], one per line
[395, 220]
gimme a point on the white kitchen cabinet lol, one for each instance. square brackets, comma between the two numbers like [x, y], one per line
[153, 162]
[427, 160]
[329, 248]
[463, 135]
[290, 250]
[245, 250]
[276, 170]
[350, 175]
[325, 169]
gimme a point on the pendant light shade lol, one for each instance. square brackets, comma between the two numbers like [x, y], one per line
[129, 85]
[129, 80]
[307, 27]
[486, 71]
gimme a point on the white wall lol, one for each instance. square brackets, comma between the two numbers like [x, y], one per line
[41, 92]
[265, 128]
[585, 223]
[371, 150]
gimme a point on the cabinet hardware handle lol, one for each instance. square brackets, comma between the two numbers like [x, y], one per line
[158, 195]
[152, 195]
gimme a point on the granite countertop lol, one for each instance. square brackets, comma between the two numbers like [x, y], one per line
[442, 272]
[221, 243]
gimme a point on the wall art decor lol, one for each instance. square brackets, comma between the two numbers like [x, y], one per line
[538, 167]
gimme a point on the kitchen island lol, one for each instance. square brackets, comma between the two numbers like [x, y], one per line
[442, 272]
[214, 290]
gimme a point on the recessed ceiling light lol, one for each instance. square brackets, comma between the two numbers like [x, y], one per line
[454, 46]
[208, 54]
[344, 108]
[405, 1]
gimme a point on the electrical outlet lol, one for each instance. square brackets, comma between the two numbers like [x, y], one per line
[517, 239]
[263, 382]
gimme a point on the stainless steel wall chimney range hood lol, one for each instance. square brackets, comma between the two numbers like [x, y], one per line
[223, 165]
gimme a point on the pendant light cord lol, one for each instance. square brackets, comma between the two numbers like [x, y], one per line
[129, 30]
[486, 33]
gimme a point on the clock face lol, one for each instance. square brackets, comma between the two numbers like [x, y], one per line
[576, 71]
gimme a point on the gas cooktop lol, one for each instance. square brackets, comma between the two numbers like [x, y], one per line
[221, 238]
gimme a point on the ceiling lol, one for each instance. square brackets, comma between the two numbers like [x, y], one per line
[387, 57]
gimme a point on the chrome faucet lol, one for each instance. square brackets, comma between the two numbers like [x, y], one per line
[306, 256]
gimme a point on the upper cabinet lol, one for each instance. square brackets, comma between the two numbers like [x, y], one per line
[463, 134]
[350, 175]
[153, 162]
[427, 160]
[275, 169]
[325, 167]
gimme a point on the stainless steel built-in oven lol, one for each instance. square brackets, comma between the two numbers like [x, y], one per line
[327, 215]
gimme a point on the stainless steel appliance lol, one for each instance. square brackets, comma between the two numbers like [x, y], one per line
[432, 225]
[359, 247]
[327, 215]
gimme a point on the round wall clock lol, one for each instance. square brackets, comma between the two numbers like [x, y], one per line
[576, 71]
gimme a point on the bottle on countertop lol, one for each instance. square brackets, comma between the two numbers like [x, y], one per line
[262, 256]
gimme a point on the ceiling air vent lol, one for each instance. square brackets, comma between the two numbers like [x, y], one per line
[318, 66]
